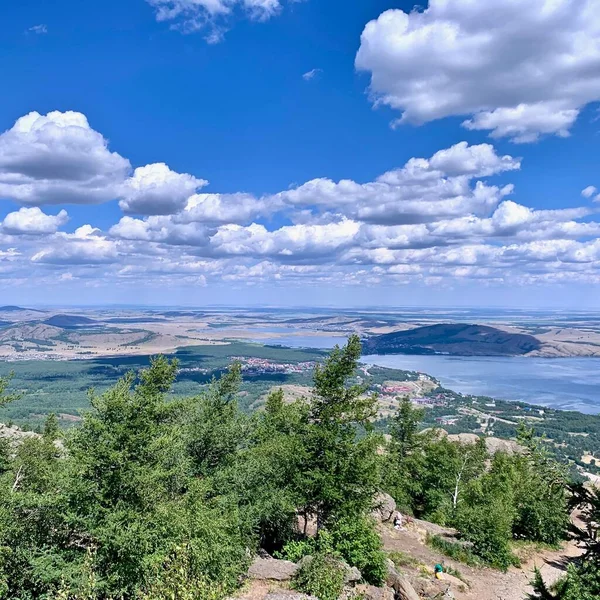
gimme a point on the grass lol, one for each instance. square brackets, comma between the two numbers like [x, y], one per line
[402, 559]
[524, 550]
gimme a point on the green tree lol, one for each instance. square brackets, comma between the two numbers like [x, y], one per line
[582, 581]
[340, 474]
[51, 427]
[215, 428]
[540, 485]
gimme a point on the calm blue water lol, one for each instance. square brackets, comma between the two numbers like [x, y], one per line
[566, 383]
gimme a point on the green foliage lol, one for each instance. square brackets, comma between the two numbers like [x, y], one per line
[582, 581]
[295, 550]
[216, 429]
[403, 465]
[485, 520]
[455, 550]
[355, 540]
[51, 428]
[322, 576]
[518, 497]
[359, 544]
[340, 467]
[4, 383]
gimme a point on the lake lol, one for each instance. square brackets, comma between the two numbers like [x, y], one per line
[565, 383]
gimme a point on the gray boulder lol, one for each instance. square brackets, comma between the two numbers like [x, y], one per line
[351, 574]
[384, 507]
[371, 592]
[271, 569]
[403, 588]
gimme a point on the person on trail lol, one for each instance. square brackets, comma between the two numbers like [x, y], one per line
[398, 521]
[439, 571]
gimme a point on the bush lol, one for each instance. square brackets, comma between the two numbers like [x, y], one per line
[323, 577]
[454, 550]
[359, 544]
[295, 550]
[488, 526]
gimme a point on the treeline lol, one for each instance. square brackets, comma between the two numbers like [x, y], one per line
[490, 500]
[154, 497]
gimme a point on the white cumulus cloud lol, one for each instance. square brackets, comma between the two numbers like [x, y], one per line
[86, 246]
[58, 158]
[423, 190]
[33, 221]
[519, 69]
[156, 190]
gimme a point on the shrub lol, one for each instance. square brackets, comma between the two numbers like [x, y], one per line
[295, 550]
[323, 577]
[454, 550]
[359, 544]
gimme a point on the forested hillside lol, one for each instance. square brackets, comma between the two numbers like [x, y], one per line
[159, 497]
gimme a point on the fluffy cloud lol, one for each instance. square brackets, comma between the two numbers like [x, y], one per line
[33, 221]
[225, 208]
[290, 243]
[156, 190]
[421, 191]
[86, 246]
[520, 69]
[589, 191]
[160, 229]
[197, 15]
[58, 158]
[432, 221]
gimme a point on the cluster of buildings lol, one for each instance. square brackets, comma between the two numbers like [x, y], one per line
[397, 389]
[261, 365]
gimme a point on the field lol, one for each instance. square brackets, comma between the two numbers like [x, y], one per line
[62, 387]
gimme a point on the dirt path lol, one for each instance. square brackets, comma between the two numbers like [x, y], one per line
[484, 584]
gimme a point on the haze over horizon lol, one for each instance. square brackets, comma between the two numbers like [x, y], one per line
[277, 152]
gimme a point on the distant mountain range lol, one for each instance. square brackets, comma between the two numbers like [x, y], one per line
[18, 309]
[455, 339]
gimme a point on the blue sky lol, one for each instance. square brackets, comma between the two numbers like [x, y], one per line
[249, 208]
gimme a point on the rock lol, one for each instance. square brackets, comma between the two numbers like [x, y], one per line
[456, 583]
[351, 574]
[288, 595]
[403, 588]
[271, 569]
[370, 592]
[384, 507]
[304, 561]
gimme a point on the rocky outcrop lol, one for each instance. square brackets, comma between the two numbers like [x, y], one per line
[384, 507]
[370, 592]
[15, 435]
[272, 569]
[400, 584]
[492, 444]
